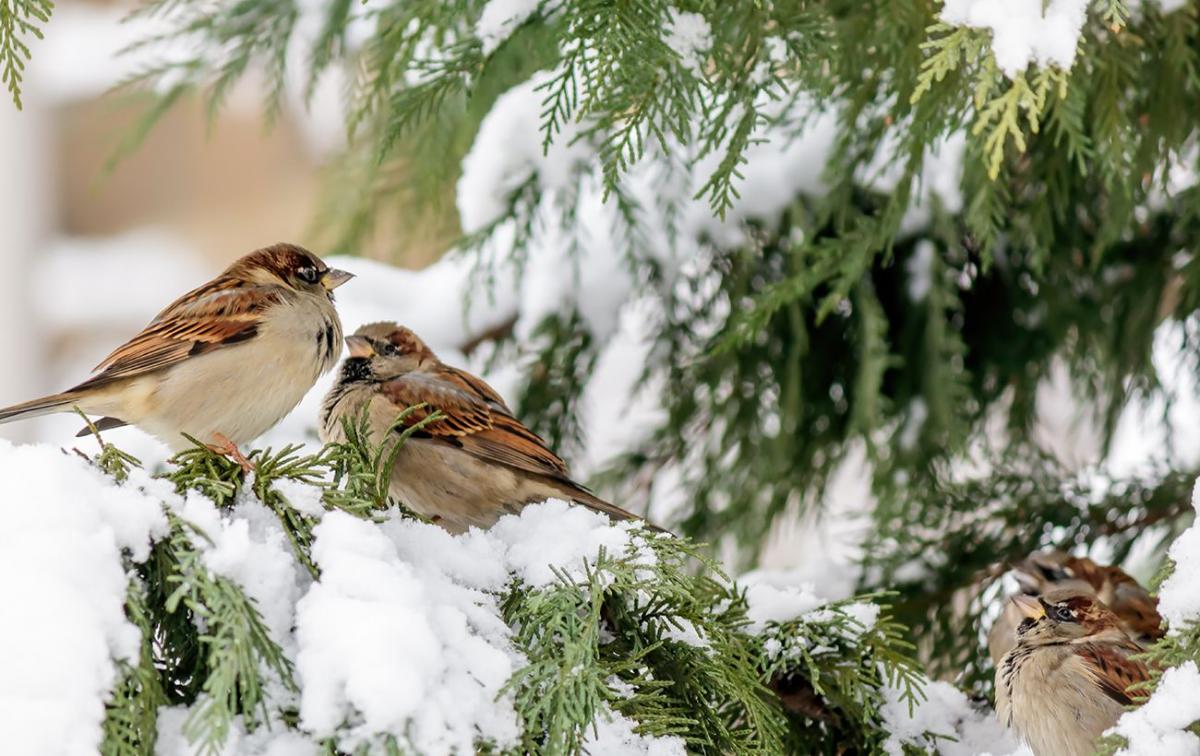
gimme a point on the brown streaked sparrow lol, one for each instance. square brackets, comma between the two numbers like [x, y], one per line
[224, 362]
[1136, 610]
[466, 469]
[1067, 679]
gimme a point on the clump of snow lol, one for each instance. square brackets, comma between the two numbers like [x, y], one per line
[63, 526]
[780, 596]
[1160, 727]
[247, 545]
[500, 18]
[402, 634]
[276, 740]
[557, 536]
[774, 596]
[943, 721]
[1023, 31]
[508, 151]
[690, 36]
[389, 649]
[614, 736]
[1179, 595]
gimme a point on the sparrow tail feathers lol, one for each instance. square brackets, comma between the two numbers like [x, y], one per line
[36, 407]
[591, 501]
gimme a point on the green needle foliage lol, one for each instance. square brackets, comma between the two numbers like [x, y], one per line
[655, 633]
[20, 21]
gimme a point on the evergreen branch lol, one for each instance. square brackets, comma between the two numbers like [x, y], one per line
[131, 717]
[238, 651]
[19, 20]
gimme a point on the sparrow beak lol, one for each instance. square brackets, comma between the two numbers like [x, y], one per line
[1030, 607]
[360, 346]
[334, 278]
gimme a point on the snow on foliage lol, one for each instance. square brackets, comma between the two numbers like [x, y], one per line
[689, 35]
[1024, 31]
[401, 635]
[500, 18]
[1179, 596]
[394, 646]
[944, 721]
[1165, 724]
[63, 526]
[1161, 726]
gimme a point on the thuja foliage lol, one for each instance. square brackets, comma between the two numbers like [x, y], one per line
[942, 560]
[21, 21]
[846, 321]
[655, 633]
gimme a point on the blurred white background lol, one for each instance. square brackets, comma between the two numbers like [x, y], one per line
[90, 254]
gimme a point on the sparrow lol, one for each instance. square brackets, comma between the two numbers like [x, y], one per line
[468, 467]
[224, 362]
[1136, 610]
[1067, 679]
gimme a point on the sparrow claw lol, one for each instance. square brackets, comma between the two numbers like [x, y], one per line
[222, 445]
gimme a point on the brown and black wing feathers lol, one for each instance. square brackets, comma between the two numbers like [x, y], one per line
[475, 417]
[479, 422]
[1113, 671]
[222, 312]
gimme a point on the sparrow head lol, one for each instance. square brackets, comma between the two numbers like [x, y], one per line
[1046, 570]
[395, 340]
[1062, 615]
[290, 266]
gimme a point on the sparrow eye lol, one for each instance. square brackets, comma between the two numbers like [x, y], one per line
[1063, 614]
[308, 274]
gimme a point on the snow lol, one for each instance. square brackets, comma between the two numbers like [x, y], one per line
[1160, 727]
[943, 711]
[500, 18]
[919, 270]
[558, 537]
[690, 37]
[248, 546]
[775, 596]
[273, 741]
[1179, 595]
[394, 650]
[1023, 31]
[507, 152]
[401, 635]
[63, 526]
[440, 688]
[614, 736]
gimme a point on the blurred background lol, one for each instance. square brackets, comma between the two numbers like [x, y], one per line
[99, 236]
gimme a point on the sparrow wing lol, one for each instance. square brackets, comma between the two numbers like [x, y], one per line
[1112, 670]
[222, 312]
[477, 419]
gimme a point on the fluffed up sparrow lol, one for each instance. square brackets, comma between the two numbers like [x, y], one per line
[224, 362]
[1067, 679]
[1136, 610]
[465, 469]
